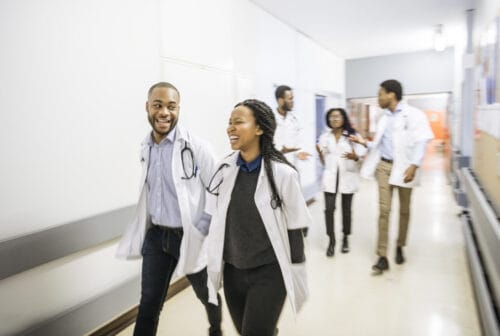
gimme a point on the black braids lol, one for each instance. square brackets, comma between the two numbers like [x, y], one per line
[264, 117]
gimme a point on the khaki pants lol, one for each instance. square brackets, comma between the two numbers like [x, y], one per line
[385, 200]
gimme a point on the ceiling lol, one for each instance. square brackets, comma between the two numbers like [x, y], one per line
[364, 28]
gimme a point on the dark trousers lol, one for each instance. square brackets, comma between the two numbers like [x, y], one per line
[330, 199]
[160, 256]
[255, 298]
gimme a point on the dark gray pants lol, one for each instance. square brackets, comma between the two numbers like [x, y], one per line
[255, 298]
[160, 254]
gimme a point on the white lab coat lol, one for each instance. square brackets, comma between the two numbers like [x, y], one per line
[191, 195]
[333, 151]
[288, 134]
[410, 127]
[293, 215]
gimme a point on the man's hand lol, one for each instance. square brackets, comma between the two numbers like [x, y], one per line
[350, 156]
[303, 155]
[410, 173]
[286, 150]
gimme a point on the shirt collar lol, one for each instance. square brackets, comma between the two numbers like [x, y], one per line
[250, 166]
[170, 138]
[399, 108]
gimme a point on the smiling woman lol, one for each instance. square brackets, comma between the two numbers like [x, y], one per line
[255, 240]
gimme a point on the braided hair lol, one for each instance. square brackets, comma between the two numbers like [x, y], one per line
[264, 118]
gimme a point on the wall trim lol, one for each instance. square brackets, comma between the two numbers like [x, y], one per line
[128, 317]
[38, 248]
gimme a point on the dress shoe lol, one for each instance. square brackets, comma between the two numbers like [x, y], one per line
[381, 265]
[345, 245]
[330, 251]
[400, 258]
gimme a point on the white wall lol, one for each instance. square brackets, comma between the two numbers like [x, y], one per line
[73, 86]
[72, 101]
[418, 72]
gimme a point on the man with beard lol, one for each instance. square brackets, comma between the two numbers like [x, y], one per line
[170, 225]
[287, 138]
[288, 135]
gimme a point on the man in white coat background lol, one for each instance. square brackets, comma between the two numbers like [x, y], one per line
[288, 138]
[169, 226]
[395, 154]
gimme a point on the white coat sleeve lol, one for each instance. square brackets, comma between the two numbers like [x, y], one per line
[297, 215]
[205, 162]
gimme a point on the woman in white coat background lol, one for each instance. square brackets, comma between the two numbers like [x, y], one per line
[255, 243]
[339, 156]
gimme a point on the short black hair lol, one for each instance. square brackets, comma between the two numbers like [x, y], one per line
[162, 84]
[392, 85]
[280, 91]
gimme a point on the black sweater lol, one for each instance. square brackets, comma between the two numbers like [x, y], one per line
[246, 242]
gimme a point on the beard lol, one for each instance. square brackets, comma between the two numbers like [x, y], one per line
[161, 131]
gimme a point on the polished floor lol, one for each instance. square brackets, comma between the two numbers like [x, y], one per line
[429, 295]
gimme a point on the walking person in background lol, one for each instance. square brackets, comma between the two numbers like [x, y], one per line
[255, 244]
[395, 154]
[169, 225]
[288, 137]
[340, 157]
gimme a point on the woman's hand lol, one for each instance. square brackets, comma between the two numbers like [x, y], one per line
[350, 156]
[357, 139]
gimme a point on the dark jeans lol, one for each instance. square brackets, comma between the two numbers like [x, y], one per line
[160, 256]
[255, 298]
[330, 199]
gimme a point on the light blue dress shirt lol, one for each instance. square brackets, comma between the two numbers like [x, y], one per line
[386, 146]
[162, 199]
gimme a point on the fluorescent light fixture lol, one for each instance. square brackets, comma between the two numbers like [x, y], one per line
[439, 42]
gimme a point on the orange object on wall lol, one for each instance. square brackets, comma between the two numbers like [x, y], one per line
[437, 120]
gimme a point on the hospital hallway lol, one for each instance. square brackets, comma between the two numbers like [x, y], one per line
[431, 294]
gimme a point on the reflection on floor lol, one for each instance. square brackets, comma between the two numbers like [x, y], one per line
[430, 294]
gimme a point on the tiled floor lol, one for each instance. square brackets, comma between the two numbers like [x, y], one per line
[430, 295]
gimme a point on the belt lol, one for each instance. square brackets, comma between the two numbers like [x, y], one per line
[386, 160]
[166, 228]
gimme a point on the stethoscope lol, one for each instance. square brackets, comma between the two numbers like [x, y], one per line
[217, 179]
[190, 172]
[214, 189]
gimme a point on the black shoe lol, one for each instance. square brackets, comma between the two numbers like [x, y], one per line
[400, 258]
[381, 265]
[345, 245]
[330, 251]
